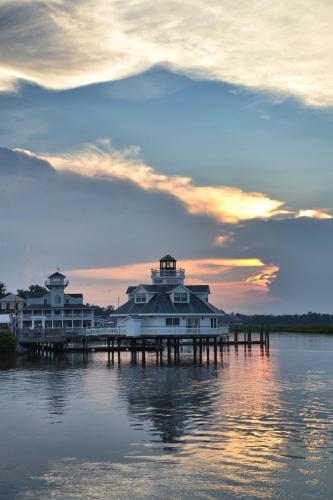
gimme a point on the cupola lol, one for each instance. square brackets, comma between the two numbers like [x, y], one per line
[168, 262]
[168, 272]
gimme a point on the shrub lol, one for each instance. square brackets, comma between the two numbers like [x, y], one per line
[7, 341]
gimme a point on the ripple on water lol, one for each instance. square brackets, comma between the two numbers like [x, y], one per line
[251, 427]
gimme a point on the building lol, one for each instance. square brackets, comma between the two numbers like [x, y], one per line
[5, 321]
[57, 309]
[11, 303]
[167, 305]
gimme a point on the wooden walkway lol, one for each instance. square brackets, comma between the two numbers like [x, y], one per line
[172, 344]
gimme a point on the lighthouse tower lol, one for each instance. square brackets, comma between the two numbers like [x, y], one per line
[168, 273]
[56, 284]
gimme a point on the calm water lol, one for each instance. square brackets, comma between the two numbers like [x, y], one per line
[256, 425]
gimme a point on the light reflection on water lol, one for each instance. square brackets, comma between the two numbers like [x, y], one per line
[256, 425]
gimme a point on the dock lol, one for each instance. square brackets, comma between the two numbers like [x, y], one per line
[172, 344]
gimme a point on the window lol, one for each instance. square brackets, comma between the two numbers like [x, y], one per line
[57, 299]
[45, 302]
[171, 321]
[180, 297]
[213, 322]
[140, 298]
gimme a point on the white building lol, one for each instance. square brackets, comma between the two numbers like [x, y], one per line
[57, 309]
[169, 306]
[12, 303]
[5, 321]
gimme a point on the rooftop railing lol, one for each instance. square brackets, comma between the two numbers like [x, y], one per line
[167, 275]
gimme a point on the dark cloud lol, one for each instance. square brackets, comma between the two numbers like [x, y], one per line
[55, 219]
[302, 248]
[52, 219]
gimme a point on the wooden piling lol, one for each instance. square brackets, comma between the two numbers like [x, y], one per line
[143, 351]
[207, 350]
[261, 335]
[249, 336]
[215, 350]
[267, 336]
[169, 349]
[236, 335]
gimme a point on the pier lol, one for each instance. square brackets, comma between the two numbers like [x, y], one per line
[115, 343]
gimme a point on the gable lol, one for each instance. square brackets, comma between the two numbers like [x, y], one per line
[11, 297]
[179, 288]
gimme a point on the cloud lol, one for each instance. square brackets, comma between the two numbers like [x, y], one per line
[280, 47]
[314, 214]
[233, 281]
[222, 240]
[223, 203]
[138, 271]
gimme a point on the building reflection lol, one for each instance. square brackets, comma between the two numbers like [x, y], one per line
[170, 397]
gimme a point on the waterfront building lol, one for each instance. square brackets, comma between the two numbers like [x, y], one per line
[5, 321]
[11, 303]
[57, 309]
[169, 306]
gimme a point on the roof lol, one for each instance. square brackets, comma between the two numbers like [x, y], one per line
[75, 295]
[168, 288]
[168, 257]
[16, 297]
[65, 306]
[57, 275]
[162, 304]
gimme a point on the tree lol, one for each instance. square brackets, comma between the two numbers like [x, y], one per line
[102, 312]
[7, 342]
[33, 291]
[3, 290]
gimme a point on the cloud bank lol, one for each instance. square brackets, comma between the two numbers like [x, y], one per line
[282, 47]
[223, 203]
[232, 280]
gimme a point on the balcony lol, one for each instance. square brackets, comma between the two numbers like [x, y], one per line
[167, 276]
[163, 331]
[56, 282]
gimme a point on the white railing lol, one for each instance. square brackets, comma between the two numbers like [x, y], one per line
[161, 330]
[119, 330]
[183, 330]
[56, 317]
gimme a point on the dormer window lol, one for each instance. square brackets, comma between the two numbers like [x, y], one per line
[180, 297]
[140, 298]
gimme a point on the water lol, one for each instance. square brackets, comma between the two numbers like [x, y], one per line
[256, 425]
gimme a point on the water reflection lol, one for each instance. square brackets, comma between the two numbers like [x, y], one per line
[170, 397]
[252, 426]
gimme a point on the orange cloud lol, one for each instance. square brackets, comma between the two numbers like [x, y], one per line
[225, 204]
[222, 203]
[105, 285]
[138, 271]
[222, 240]
[314, 214]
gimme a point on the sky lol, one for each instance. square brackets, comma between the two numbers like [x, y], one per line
[201, 129]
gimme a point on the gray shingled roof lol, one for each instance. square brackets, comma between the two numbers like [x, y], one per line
[162, 304]
[65, 306]
[168, 257]
[57, 274]
[168, 288]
